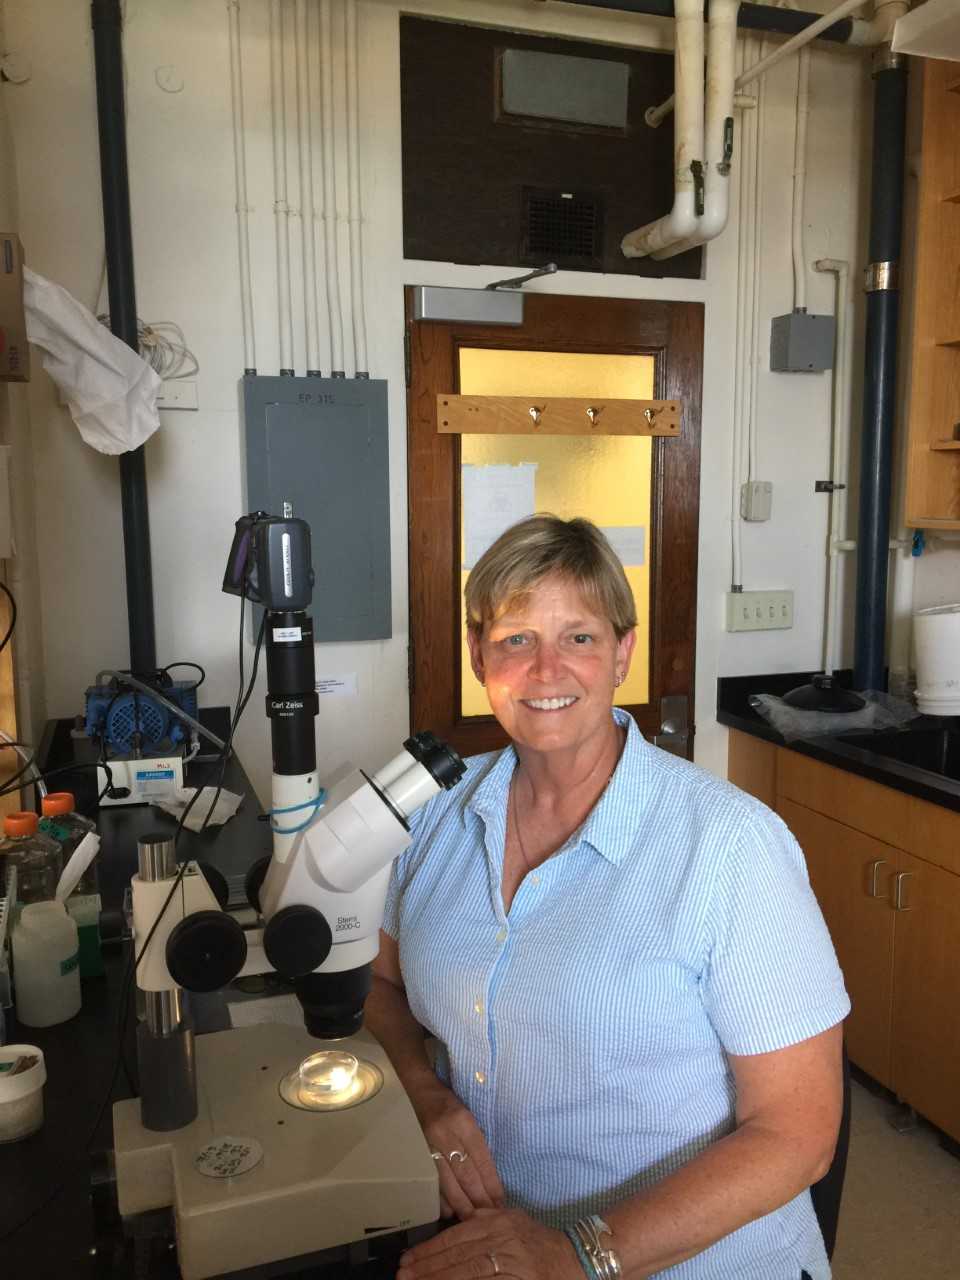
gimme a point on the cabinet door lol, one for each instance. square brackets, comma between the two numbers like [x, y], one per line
[926, 1020]
[851, 875]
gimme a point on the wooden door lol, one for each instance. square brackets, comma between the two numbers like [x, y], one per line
[671, 336]
[926, 1019]
[851, 874]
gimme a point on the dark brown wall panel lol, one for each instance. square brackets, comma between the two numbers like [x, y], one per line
[465, 171]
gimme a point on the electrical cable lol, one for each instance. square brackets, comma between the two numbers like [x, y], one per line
[21, 749]
[162, 345]
[196, 666]
[13, 616]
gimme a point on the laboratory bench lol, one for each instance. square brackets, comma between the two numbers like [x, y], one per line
[878, 818]
[62, 1175]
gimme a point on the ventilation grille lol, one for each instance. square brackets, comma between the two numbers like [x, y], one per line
[562, 227]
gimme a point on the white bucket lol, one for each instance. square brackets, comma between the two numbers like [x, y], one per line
[21, 1095]
[936, 641]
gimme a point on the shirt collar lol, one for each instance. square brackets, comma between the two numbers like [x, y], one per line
[614, 818]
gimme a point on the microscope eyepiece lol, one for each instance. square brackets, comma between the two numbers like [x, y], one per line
[440, 760]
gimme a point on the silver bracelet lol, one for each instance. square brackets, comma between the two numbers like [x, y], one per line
[605, 1263]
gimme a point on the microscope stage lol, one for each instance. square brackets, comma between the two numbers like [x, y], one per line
[325, 1178]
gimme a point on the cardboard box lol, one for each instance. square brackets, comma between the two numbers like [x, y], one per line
[14, 348]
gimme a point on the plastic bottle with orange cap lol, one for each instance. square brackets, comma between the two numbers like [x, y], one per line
[61, 822]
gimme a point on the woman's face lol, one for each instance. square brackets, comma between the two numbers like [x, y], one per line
[550, 666]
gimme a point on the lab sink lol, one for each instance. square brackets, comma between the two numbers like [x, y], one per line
[936, 750]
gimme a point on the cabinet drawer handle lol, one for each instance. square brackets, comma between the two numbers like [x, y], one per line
[898, 903]
[873, 888]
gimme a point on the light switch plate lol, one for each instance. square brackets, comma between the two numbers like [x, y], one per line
[177, 393]
[759, 610]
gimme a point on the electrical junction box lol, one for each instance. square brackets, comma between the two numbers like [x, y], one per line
[756, 500]
[759, 610]
[801, 343]
[320, 444]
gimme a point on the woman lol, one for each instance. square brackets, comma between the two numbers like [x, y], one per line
[634, 997]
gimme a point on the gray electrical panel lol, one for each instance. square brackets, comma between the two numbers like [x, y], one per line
[801, 343]
[321, 445]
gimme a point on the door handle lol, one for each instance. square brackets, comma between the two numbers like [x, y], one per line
[674, 725]
[898, 879]
[873, 876]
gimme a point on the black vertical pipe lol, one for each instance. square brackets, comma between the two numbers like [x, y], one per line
[118, 238]
[880, 371]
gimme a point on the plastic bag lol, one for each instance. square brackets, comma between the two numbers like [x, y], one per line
[228, 802]
[111, 391]
[880, 712]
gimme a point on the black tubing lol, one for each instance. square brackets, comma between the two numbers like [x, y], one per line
[880, 378]
[108, 56]
[752, 17]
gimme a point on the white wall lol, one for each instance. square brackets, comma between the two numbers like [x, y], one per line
[181, 174]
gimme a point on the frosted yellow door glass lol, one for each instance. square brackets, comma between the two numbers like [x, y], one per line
[607, 479]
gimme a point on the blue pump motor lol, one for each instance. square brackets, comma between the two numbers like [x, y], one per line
[118, 715]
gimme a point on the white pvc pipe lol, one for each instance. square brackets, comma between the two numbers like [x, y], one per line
[240, 180]
[355, 208]
[331, 254]
[281, 208]
[837, 544]
[799, 181]
[681, 221]
[656, 115]
[307, 229]
[739, 367]
[721, 55]
[753, 433]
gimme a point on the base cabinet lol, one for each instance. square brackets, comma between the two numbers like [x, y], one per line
[885, 867]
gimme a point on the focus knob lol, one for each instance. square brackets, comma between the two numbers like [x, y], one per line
[297, 940]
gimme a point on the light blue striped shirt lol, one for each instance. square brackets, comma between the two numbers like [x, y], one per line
[587, 1031]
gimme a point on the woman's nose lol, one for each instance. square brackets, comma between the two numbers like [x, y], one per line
[546, 662]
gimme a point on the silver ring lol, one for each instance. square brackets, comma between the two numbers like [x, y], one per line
[496, 1265]
[435, 1155]
[459, 1156]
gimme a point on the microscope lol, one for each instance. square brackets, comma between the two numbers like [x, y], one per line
[278, 1141]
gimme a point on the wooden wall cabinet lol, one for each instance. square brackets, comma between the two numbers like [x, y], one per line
[933, 430]
[885, 867]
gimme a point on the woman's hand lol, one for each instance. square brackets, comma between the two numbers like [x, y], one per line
[495, 1242]
[468, 1178]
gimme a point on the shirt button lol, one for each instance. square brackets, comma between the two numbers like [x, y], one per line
[479, 1077]
[501, 935]
[534, 879]
[478, 1006]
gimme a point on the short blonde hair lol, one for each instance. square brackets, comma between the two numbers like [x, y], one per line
[542, 545]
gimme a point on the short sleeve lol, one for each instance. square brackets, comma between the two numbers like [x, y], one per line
[771, 977]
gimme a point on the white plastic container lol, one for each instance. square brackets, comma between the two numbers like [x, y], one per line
[21, 1095]
[46, 965]
[936, 641]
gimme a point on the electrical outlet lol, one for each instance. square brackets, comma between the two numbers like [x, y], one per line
[759, 610]
[177, 393]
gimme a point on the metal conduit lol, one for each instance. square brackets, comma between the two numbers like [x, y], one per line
[752, 17]
[880, 368]
[108, 55]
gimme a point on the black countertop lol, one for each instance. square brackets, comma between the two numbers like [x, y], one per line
[734, 711]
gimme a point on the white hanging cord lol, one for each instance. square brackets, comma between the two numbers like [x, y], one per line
[799, 180]
[27, 759]
[331, 255]
[355, 214]
[281, 208]
[240, 179]
[307, 216]
[838, 464]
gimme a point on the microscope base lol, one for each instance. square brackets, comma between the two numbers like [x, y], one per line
[325, 1178]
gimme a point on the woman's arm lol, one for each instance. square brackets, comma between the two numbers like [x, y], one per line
[788, 1115]
[465, 1184]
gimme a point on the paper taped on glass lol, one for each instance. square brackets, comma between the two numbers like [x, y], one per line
[494, 498]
